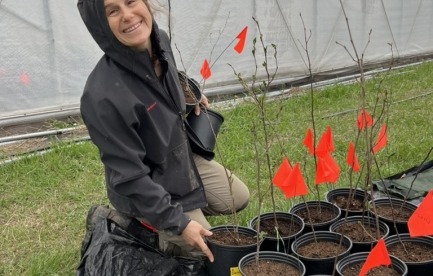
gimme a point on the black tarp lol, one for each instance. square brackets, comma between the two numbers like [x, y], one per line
[410, 184]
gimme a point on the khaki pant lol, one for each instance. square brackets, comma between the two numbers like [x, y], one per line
[220, 202]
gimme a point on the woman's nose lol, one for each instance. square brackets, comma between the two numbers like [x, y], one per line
[127, 15]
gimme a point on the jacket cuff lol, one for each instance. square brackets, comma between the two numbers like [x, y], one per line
[185, 220]
[178, 229]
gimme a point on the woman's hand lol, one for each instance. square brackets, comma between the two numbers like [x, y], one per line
[203, 102]
[193, 235]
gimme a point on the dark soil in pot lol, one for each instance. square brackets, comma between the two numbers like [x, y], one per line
[353, 201]
[290, 226]
[416, 252]
[362, 230]
[229, 247]
[351, 266]
[394, 212]
[320, 250]
[270, 263]
[316, 214]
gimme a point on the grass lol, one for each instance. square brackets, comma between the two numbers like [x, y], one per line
[44, 199]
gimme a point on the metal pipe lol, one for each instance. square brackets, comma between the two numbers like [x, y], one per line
[39, 152]
[36, 134]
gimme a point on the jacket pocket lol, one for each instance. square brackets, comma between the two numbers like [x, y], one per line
[178, 175]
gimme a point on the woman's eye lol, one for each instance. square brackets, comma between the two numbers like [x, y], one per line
[111, 12]
[129, 2]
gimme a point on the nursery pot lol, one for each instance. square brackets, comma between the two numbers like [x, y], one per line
[396, 204]
[352, 201]
[316, 264]
[290, 224]
[414, 267]
[360, 257]
[206, 127]
[318, 222]
[227, 256]
[364, 245]
[271, 256]
[191, 90]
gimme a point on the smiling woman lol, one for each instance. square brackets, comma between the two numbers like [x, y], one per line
[131, 22]
[134, 108]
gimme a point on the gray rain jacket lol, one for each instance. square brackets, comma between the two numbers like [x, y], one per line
[137, 122]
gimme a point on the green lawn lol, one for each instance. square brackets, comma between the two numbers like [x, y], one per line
[44, 199]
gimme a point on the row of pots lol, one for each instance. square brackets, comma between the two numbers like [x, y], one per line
[228, 258]
[344, 262]
[354, 202]
[302, 235]
[342, 265]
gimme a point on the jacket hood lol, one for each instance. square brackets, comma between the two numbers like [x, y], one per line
[93, 15]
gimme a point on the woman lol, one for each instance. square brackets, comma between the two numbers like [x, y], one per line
[134, 109]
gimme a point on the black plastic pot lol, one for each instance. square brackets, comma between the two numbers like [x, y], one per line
[271, 256]
[321, 226]
[280, 244]
[361, 246]
[348, 193]
[206, 127]
[228, 256]
[360, 257]
[400, 226]
[320, 265]
[414, 268]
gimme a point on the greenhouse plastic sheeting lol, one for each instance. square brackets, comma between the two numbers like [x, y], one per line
[47, 52]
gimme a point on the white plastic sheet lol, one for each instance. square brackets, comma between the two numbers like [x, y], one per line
[46, 52]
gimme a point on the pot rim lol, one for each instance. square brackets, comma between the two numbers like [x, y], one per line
[406, 237]
[321, 235]
[267, 255]
[353, 219]
[244, 229]
[394, 260]
[297, 219]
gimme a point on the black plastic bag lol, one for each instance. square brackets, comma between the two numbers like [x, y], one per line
[113, 251]
[115, 244]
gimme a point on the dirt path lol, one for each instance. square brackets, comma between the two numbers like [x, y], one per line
[22, 139]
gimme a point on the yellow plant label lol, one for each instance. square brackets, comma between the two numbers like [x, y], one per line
[234, 271]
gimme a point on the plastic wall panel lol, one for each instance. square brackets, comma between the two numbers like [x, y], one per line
[47, 52]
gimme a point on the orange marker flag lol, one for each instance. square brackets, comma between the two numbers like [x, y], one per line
[308, 141]
[327, 170]
[420, 222]
[205, 70]
[239, 47]
[351, 159]
[364, 120]
[325, 145]
[282, 173]
[381, 139]
[294, 184]
[378, 256]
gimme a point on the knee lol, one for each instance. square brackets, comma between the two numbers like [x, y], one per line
[241, 198]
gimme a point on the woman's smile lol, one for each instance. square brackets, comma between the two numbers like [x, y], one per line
[132, 28]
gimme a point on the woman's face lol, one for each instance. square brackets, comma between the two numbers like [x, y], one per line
[130, 21]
